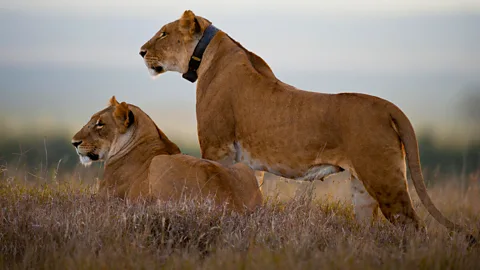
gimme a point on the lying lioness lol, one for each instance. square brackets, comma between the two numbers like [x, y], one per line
[140, 161]
[246, 114]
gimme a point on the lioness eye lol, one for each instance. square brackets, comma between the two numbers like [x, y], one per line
[99, 125]
[163, 34]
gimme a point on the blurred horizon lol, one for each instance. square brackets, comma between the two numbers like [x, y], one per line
[60, 61]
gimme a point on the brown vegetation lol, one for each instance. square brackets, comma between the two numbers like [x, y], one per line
[66, 226]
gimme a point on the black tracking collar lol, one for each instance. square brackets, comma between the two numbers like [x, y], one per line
[196, 58]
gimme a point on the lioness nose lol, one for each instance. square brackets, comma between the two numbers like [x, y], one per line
[76, 143]
[142, 53]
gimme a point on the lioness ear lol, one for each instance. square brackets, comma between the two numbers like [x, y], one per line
[113, 101]
[189, 24]
[123, 115]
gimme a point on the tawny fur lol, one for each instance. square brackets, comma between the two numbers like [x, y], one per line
[148, 165]
[245, 114]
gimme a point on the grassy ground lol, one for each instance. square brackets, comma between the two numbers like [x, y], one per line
[65, 226]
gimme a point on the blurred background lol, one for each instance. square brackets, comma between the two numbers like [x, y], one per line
[60, 62]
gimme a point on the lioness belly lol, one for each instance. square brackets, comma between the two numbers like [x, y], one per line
[259, 163]
[301, 172]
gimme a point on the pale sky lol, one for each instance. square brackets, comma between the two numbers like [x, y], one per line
[60, 61]
[149, 6]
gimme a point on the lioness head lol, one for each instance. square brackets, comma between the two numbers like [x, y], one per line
[170, 48]
[94, 142]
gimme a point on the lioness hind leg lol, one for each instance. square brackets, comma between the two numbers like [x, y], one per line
[397, 207]
[392, 195]
[365, 206]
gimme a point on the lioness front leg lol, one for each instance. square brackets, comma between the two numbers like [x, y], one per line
[224, 155]
[227, 156]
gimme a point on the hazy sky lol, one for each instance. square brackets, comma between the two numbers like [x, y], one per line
[60, 61]
[338, 6]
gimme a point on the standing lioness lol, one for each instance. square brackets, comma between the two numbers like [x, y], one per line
[140, 161]
[245, 114]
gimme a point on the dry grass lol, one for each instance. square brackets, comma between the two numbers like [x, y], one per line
[65, 226]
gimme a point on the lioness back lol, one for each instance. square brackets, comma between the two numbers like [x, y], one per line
[173, 177]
